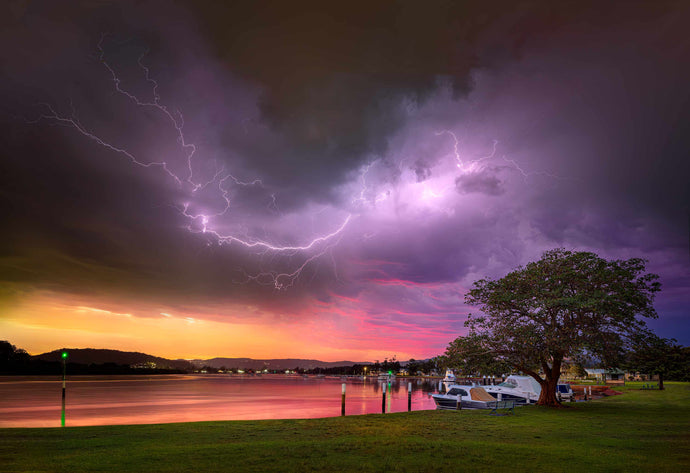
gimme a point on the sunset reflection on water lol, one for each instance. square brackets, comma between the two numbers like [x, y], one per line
[36, 401]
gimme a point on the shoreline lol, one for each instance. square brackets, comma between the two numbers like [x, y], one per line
[647, 430]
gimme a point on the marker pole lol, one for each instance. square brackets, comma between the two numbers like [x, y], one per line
[64, 372]
[409, 397]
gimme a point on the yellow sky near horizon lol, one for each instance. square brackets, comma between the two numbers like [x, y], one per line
[48, 322]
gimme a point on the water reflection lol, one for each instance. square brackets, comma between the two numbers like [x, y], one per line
[36, 401]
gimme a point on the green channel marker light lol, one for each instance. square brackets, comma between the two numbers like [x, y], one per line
[64, 355]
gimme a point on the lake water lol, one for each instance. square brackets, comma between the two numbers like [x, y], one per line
[108, 400]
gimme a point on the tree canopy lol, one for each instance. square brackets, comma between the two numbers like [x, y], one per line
[567, 304]
[651, 354]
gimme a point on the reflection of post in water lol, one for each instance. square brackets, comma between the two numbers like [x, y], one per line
[383, 400]
[390, 398]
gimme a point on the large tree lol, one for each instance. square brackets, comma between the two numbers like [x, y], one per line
[565, 305]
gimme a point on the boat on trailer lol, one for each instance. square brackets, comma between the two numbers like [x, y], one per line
[469, 397]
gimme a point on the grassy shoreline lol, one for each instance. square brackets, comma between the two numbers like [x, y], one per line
[638, 431]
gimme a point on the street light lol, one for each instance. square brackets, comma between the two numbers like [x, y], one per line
[64, 355]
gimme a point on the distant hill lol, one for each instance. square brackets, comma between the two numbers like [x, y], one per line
[88, 356]
[274, 364]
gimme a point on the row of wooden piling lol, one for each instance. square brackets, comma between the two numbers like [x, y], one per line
[383, 399]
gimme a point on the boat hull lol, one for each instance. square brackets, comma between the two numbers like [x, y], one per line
[451, 402]
[519, 399]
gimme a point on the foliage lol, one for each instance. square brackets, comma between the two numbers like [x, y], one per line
[651, 354]
[576, 370]
[12, 359]
[564, 305]
[467, 356]
[11, 354]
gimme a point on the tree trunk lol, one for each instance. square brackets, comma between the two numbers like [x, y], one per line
[549, 385]
[661, 381]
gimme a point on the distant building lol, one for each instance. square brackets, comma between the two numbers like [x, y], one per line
[637, 376]
[604, 374]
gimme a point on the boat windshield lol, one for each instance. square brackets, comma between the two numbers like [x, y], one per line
[456, 391]
[508, 384]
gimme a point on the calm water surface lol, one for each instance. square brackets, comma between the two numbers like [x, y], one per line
[106, 400]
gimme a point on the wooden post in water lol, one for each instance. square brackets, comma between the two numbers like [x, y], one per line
[383, 401]
[409, 397]
[458, 402]
[342, 406]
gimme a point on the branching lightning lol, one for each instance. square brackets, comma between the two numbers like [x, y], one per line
[476, 165]
[221, 183]
[210, 200]
[470, 166]
[364, 188]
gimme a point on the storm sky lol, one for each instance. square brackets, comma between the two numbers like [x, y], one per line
[328, 179]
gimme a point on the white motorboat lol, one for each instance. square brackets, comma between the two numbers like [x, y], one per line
[450, 376]
[469, 397]
[521, 389]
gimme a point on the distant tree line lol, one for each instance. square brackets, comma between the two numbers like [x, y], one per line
[16, 361]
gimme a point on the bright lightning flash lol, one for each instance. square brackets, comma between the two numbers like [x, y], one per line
[220, 184]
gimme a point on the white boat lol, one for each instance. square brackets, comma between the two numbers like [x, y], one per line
[470, 397]
[450, 376]
[564, 392]
[521, 389]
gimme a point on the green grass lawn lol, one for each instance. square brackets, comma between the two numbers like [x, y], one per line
[638, 431]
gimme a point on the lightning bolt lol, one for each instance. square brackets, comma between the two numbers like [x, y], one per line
[472, 165]
[221, 182]
[476, 165]
[365, 189]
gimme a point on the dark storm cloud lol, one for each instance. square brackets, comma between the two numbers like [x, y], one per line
[421, 170]
[483, 182]
[301, 95]
[334, 74]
